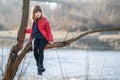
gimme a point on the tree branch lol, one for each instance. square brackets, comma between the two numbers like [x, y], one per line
[67, 42]
[28, 47]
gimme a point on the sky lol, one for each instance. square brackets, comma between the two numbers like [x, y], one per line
[52, 5]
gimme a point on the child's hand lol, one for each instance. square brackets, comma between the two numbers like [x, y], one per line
[28, 30]
[51, 42]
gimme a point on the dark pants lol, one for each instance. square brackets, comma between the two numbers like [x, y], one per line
[39, 46]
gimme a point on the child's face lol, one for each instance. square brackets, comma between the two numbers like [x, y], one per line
[38, 14]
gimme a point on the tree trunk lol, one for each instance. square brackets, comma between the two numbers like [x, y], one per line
[12, 66]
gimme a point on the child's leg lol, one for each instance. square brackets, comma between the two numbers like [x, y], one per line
[42, 44]
[36, 54]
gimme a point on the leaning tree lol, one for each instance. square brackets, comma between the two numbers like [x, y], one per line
[15, 59]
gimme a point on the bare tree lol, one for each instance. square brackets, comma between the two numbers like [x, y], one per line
[14, 59]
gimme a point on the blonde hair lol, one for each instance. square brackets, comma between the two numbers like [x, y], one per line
[34, 10]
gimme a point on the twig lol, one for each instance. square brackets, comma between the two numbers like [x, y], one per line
[66, 75]
[2, 60]
[60, 66]
[23, 71]
[103, 66]
[23, 65]
[27, 67]
[87, 64]
[0, 68]
[66, 36]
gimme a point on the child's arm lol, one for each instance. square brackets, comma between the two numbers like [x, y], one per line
[28, 30]
[48, 29]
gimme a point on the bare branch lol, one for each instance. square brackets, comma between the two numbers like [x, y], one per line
[90, 32]
[67, 42]
[66, 36]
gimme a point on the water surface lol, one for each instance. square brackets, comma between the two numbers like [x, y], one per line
[73, 63]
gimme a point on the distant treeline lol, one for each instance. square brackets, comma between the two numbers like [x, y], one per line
[72, 16]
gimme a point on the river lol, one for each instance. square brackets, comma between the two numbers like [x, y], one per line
[65, 63]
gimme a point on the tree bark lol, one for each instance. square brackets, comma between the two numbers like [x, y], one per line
[12, 66]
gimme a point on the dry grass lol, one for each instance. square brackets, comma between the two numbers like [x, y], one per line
[8, 38]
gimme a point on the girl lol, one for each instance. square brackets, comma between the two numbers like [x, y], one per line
[41, 36]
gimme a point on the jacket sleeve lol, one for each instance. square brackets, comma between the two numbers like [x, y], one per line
[48, 30]
[28, 30]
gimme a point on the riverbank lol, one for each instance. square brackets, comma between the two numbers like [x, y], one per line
[95, 41]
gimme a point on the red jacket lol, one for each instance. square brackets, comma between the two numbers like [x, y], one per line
[44, 28]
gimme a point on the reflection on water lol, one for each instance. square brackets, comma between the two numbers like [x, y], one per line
[75, 63]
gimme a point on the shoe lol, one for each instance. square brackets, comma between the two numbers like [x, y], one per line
[39, 72]
[41, 68]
